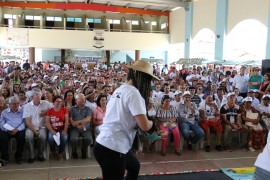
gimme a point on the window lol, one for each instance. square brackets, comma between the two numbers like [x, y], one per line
[114, 21]
[29, 17]
[8, 16]
[135, 22]
[70, 19]
[78, 20]
[57, 18]
[154, 23]
[98, 21]
[91, 20]
[163, 26]
[37, 18]
[49, 18]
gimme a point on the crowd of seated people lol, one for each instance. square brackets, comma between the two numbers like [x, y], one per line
[39, 104]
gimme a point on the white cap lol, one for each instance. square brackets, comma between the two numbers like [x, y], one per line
[82, 83]
[177, 92]
[230, 94]
[55, 77]
[34, 84]
[46, 76]
[247, 99]
[76, 81]
[74, 75]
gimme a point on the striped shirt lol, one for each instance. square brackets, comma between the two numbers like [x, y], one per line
[166, 114]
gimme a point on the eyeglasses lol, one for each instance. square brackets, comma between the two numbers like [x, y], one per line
[58, 101]
[199, 88]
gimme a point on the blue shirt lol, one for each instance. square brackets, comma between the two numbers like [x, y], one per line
[14, 119]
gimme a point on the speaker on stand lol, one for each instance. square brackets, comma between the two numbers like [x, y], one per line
[265, 66]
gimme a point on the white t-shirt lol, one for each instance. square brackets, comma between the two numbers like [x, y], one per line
[263, 160]
[117, 131]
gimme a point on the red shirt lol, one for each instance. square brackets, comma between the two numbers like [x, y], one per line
[57, 118]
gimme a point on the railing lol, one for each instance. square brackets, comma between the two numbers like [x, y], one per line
[82, 29]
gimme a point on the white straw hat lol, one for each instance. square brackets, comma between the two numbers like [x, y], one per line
[144, 67]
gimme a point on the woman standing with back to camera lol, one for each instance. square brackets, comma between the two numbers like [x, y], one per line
[125, 110]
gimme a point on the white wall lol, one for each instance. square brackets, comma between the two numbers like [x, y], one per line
[177, 26]
[71, 39]
[239, 10]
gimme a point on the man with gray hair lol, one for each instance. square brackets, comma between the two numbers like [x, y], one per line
[80, 118]
[12, 125]
[34, 113]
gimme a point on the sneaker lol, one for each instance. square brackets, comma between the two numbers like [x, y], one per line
[227, 148]
[163, 153]
[218, 147]
[207, 148]
[41, 159]
[244, 148]
[251, 149]
[74, 155]
[30, 161]
[189, 146]
[60, 157]
[178, 153]
[84, 155]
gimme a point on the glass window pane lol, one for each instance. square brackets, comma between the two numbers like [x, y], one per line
[135, 23]
[146, 22]
[70, 19]
[97, 21]
[29, 17]
[57, 18]
[49, 18]
[37, 18]
[154, 23]
[90, 20]
[78, 19]
[116, 21]
[8, 16]
[110, 21]
[163, 26]
[14, 16]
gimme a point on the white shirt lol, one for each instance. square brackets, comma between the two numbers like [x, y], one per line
[263, 160]
[92, 106]
[117, 131]
[240, 82]
[33, 111]
[255, 102]
[84, 66]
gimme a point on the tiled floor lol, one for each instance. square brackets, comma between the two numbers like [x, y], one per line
[150, 163]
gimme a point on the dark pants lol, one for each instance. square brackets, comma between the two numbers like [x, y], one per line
[4, 139]
[113, 164]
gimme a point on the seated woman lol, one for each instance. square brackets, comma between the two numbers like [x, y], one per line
[166, 115]
[188, 113]
[99, 113]
[210, 120]
[256, 135]
[57, 122]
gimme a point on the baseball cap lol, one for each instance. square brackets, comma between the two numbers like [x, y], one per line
[230, 94]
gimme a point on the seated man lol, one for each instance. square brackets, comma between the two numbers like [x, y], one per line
[34, 113]
[232, 121]
[188, 112]
[80, 118]
[12, 125]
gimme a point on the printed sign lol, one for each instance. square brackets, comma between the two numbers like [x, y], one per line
[98, 39]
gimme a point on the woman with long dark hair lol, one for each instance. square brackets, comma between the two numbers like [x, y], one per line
[125, 111]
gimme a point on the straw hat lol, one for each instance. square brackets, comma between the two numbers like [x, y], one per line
[144, 67]
[186, 93]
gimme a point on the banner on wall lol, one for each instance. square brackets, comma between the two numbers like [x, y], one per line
[17, 36]
[98, 39]
[87, 59]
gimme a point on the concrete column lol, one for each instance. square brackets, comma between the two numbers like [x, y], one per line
[31, 55]
[267, 52]
[221, 27]
[188, 28]
[137, 55]
[65, 23]
[41, 22]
